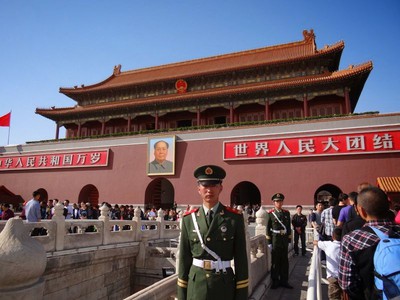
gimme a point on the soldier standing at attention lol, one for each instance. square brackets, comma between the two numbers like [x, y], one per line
[211, 236]
[279, 236]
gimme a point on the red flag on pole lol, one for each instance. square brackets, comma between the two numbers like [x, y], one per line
[5, 120]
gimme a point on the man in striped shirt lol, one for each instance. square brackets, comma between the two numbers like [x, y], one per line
[327, 220]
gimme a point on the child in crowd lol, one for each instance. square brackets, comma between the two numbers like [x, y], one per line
[332, 249]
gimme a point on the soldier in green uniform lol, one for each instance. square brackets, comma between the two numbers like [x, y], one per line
[211, 237]
[279, 237]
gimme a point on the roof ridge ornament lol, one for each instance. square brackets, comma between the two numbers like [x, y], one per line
[117, 70]
[308, 35]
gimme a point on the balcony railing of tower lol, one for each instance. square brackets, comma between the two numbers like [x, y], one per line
[206, 127]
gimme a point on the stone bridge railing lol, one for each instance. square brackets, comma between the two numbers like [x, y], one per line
[70, 257]
[59, 234]
[63, 236]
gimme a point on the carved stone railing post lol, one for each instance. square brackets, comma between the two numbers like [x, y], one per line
[22, 263]
[59, 218]
[106, 224]
[141, 257]
[261, 228]
[137, 218]
[160, 218]
[261, 221]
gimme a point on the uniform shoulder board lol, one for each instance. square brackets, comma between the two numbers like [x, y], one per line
[190, 211]
[285, 210]
[271, 211]
[234, 210]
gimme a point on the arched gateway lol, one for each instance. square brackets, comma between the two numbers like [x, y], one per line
[89, 193]
[245, 193]
[159, 193]
[326, 190]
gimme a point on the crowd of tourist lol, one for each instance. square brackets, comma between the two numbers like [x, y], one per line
[45, 210]
[36, 210]
[116, 212]
[344, 232]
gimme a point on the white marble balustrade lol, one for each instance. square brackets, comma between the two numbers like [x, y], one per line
[59, 234]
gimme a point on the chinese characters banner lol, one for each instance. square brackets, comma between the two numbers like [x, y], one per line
[81, 159]
[338, 144]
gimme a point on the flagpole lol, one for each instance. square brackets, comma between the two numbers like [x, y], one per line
[8, 139]
[9, 129]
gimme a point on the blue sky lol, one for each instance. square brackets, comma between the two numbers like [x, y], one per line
[48, 44]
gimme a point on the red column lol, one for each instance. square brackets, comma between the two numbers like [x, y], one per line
[79, 130]
[156, 121]
[103, 127]
[129, 124]
[231, 116]
[347, 101]
[198, 116]
[305, 106]
[266, 117]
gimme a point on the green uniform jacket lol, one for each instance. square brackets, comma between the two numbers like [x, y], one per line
[278, 240]
[226, 237]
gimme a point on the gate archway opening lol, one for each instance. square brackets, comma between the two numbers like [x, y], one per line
[325, 191]
[89, 193]
[246, 193]
[160, 193]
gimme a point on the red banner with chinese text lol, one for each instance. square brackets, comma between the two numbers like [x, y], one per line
[82, 159]
[308, 146]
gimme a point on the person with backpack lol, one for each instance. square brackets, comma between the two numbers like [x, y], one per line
[361, 249]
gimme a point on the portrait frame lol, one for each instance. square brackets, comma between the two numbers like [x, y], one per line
[167, 167]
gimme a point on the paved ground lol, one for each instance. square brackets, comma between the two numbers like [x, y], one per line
[298, 278]
[298, 274]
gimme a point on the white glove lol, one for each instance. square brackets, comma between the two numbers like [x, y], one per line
[270, 246]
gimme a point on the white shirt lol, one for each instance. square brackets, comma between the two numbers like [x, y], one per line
[214, 209]
[331, 249]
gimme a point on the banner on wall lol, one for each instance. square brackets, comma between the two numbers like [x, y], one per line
[311, 146]
[72, 159]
